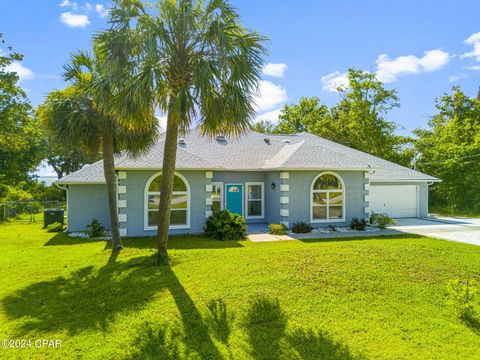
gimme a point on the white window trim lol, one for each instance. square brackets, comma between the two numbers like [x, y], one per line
[219, 184]
[145, 201]
[262, 185]
[243, 189]
[344, 205]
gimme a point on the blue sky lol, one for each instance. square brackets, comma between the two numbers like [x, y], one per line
[420, 48]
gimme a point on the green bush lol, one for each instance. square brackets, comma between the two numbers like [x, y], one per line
[301, 227]
[55, 227]
[464, 295]
[358, 224]
[277, 229]
[381, 220]
[223, 225]
[95, 229]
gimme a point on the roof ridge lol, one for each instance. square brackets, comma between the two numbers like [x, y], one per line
[283, 154]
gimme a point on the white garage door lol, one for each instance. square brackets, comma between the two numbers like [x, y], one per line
[398, 201]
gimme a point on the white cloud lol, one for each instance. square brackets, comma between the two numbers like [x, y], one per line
[74, 20]
[474, 40]
[23, 72]
[334, 80]
[274, 70]
[269, 95]
[271, 116]
[162, 121]
[70, 4]
[453, 78]
[474, 67]
[388, 70]
[100, 9]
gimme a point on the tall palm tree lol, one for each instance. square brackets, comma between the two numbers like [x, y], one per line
[192, 60]
[83, 116]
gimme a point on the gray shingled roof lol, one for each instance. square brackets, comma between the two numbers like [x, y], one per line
[255, 151]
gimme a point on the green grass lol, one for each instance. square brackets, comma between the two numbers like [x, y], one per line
[382, 298]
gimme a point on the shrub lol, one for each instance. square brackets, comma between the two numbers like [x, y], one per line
[223, 225]
[95, 229]
[358, 224]
[381, 220]
[301, 228]
[332, 228]
[463, 295]
[55, 227]
[277, 229]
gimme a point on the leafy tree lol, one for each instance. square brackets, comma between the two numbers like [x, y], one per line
[450, 150]
[20, 142]
[358, 120]
[65, 158]
[264, 127]
[192, 60]
[83, 116]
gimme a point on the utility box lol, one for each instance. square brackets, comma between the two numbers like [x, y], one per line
[51, 216]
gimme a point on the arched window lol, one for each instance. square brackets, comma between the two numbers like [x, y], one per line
[327, 201]
[180, 206]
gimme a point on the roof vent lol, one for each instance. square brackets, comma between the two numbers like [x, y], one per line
[267, 141]
[181, 140]
[221, 137]
[286, 141]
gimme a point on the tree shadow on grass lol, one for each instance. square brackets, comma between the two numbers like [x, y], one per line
[266, 326]
[86, 299]
[175, 242]
[473, 323]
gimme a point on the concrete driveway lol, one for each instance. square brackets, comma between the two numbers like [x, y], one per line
[466, 230]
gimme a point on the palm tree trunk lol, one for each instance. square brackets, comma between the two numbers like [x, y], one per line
[168, 174]
[109, 170]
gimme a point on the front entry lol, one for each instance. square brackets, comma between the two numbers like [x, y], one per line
[234, 198]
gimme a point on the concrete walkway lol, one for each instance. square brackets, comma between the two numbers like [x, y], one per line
[461, 229]
[266, 237]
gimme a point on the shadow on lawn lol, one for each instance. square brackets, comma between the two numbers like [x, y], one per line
[265, 326]
[175, 242]
[86, 299]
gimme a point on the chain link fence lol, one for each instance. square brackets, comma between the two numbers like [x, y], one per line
[27, 210]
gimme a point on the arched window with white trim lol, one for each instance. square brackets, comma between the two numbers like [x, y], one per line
[327, 198]
[180, 205]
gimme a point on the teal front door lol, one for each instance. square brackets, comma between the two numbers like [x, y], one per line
[234, 198]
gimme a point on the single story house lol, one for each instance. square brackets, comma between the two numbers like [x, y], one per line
[266, 178]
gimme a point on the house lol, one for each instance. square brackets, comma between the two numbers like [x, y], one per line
[266, 178]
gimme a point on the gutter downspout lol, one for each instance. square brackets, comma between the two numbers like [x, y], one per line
[66, 189]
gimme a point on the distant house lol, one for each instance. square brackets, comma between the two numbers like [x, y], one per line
[265, 178]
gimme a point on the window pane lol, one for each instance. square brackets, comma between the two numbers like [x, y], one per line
[178, 184]
[335, 212]
[153, 201]
[335, 198]
[327, 182]
[179, 201]
[152, 218]
[216, 206]
[254, 208]
[319, 212]
[319, 198]
[178, 217]
[254, 192]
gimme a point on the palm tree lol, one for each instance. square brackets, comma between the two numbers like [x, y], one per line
[82, 116]
[192, 60]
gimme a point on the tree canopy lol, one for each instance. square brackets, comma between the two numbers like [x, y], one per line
[450, 150]
[20, 137]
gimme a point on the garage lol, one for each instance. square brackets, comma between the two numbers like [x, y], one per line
[398, 201]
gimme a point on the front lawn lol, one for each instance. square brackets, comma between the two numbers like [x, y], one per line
[382, 298]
